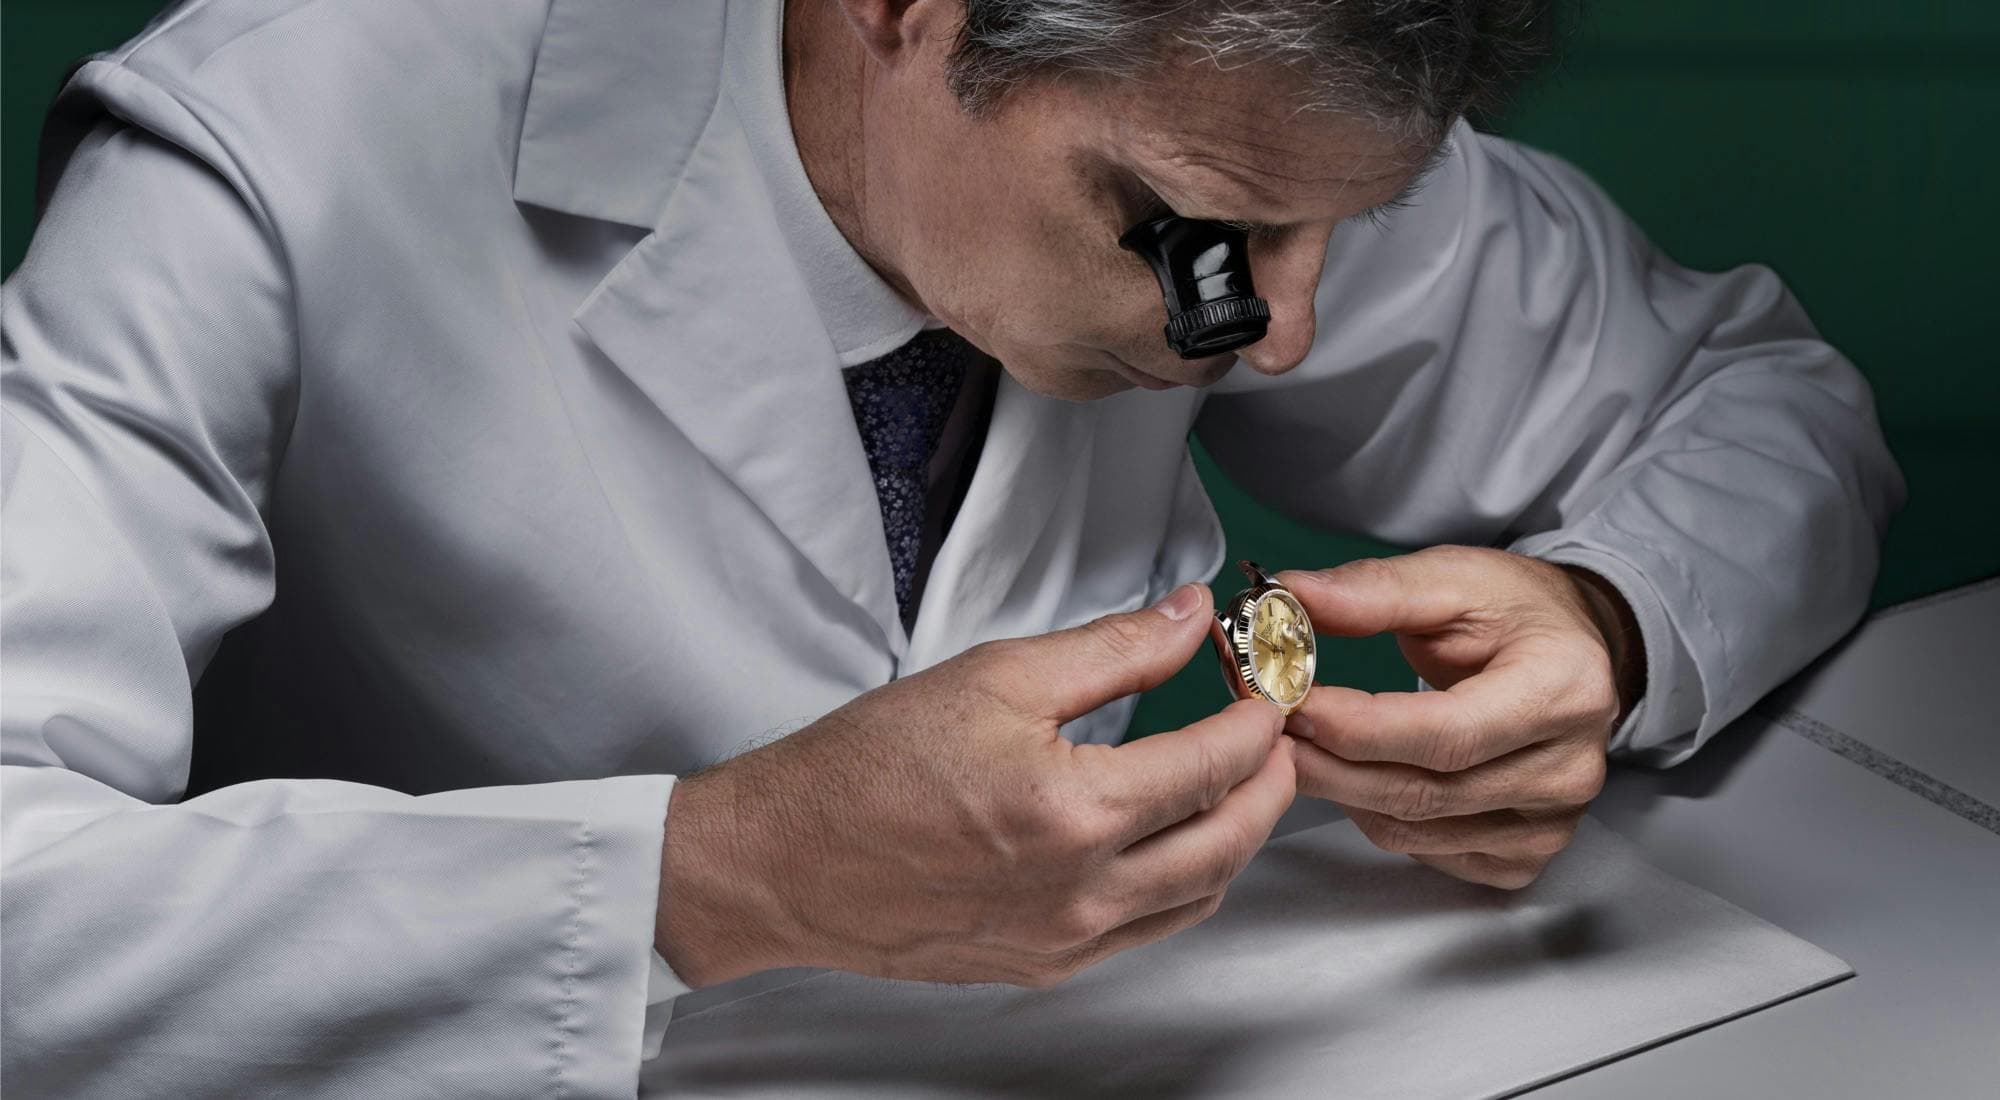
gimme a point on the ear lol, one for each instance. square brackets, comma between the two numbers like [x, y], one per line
[893, 30]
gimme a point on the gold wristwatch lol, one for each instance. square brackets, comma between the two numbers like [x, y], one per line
[1265, 642]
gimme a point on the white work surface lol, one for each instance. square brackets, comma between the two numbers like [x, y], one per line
[1333, 968]
[1918, 684]
[1438, 989]
[1784, 816]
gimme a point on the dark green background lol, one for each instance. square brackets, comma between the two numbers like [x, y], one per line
[1846, 143]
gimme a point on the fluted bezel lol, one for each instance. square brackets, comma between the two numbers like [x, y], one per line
[1236, 648]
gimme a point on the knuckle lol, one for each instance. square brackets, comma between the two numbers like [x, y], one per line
[1582, 781]
[1457, 553]
[1067, 823]
[1085, 819]
[1212, 780]
[1454, 747]
[1068, 963]
[1367, 571]
[1079, 923]
[993, 653]
[1192, 913]
[1392, 835]
[1546, 841]
[1597, 702]
[1040, 827]
[1543, 699]
[1047, 937]
[1257, 714]
[1250, 837]
[993, 667]
[1210, 905]
[1416, 797]
[1197, 911]
[1221, 868]
[1120, 636]
[1516, 875]
[1448, 555]
[1084, 827]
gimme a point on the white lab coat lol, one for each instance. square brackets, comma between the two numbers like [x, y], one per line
[485, 351]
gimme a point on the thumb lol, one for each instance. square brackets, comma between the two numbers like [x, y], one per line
[1085, 667]
[1407, 594]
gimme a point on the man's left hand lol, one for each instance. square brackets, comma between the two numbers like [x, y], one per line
[1487, 778]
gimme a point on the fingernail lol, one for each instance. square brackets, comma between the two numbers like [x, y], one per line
[1298, 725]
[1180, 603]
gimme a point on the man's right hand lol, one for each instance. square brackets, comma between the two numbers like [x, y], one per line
[940, 828]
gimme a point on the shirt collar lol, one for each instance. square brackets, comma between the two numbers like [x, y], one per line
[863, 314]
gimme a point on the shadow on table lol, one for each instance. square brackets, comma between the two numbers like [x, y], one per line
[1634, 791]
[1216, 1006]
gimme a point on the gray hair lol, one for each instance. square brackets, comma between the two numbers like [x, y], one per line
[1409, 65]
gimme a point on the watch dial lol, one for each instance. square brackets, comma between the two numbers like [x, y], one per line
[1281, 648]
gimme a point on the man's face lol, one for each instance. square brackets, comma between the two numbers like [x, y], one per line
[1006, 226]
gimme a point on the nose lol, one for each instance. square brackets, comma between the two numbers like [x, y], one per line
[1287, 270]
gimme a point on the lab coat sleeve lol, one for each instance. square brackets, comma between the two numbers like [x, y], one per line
[1511, 363]
[292, 937]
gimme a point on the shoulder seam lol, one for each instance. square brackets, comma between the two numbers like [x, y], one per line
[160, 27]
[229, 168]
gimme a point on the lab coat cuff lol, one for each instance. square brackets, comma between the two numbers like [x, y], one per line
[615, 892]
[662, 987]
[1661, 727]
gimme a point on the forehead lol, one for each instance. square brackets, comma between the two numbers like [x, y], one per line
[1237, 139]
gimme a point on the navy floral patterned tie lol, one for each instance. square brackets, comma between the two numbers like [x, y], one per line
[901, 402]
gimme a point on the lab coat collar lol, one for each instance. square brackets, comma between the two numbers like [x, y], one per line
[618, 98]
[713, 316]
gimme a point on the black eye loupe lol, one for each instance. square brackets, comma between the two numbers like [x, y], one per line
[1204, 273]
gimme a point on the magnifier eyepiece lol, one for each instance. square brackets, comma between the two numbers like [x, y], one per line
[1204, 273]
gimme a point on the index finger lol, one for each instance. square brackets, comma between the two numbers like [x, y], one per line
[1166, 778]
[1406, 594]
[1481, 718]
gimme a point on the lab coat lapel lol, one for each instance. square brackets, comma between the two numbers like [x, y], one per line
[1028, 481]
[711, 319]
[708, 315]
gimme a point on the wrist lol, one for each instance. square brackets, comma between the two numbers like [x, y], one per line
[717, 918]
[1619, 628]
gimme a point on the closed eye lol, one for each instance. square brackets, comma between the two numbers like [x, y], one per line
[1254, 229]
[1378, 215]
[1152, 206]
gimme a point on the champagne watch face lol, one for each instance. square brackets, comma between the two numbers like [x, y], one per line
[1281, 648]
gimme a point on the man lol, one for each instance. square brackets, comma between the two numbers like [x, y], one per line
[532, 382]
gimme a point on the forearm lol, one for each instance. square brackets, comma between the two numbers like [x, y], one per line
[1746, 530]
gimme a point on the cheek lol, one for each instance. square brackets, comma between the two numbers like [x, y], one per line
[1031, 272]
[1009, 249]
